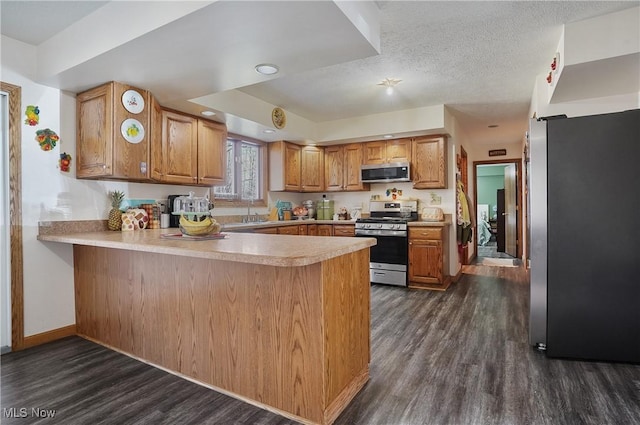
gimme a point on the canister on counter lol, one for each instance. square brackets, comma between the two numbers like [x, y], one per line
[153, 212]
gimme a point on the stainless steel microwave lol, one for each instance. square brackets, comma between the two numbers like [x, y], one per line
[384, 173]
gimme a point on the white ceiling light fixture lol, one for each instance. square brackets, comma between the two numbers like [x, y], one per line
[389, 83]
[208, 113]
[388, 136]
[267, 69]
[268, 131]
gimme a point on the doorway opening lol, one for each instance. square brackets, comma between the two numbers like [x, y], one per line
[497, 189]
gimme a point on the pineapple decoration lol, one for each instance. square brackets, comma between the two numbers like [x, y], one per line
[115, 215]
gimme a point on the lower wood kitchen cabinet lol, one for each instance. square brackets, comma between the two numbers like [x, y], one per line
[428, 258]
[344, 230]
[267, 230]
[325, 229]
[289, 230]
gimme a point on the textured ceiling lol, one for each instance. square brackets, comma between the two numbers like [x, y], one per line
[479, 58]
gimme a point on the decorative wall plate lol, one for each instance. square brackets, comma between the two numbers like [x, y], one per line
[133, 101]
[132, 130]
[278, 118]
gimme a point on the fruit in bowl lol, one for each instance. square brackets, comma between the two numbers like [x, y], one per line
[204, 227]
[300, 211]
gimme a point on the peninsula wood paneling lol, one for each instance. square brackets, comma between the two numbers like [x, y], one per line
[293, 338]
[347, 347]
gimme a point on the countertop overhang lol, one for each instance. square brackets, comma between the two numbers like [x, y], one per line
[273, 250]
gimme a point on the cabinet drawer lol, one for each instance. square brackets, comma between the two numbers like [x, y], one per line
[288, 230]
[425, 233]
[344, 230]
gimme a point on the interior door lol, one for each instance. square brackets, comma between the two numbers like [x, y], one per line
[510, 211]
[500, 222]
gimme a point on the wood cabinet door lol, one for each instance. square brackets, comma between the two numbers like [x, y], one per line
[312, 169]
[288, 230]
[399, 150]
[130, 160]
[312, 229]
[94, 153]
[425, 261]
[302, 229]
[212, 152]
[429, 163]
[179, 148]
[353, 159]
[325, 230]
[375, 152]
[157, 160]
[292, 167]
[334, 168]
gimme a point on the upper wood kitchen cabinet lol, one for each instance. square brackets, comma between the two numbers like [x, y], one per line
[212, 152]
[190, 150]
[295, 168]
[342, 167]
[312, 169]
[109, 143]
[386, 151]
[429, 162]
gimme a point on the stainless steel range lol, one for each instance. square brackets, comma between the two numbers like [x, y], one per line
[387, 223]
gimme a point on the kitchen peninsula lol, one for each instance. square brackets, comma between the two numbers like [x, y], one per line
[282, 322]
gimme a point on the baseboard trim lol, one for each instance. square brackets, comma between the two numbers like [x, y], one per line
[52, 335]
[457, 276]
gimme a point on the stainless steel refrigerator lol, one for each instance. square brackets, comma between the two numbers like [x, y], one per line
[583, 178]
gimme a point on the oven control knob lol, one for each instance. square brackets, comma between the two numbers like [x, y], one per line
[379, 226]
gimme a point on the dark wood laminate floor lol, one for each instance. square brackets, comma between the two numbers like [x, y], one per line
[459, 357]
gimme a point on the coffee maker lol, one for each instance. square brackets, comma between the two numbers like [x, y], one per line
[174, 220]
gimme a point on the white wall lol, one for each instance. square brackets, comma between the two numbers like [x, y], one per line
[615, 34]
[49, 194]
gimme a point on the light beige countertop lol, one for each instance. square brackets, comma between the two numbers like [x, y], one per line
[263, 224]
[274, 250]
[419, 223]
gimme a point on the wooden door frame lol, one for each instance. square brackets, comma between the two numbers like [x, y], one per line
[15, 215]
[518, 163]
[463, 165]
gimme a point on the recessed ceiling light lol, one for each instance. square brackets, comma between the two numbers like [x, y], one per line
[267, 69]
[492, 125]
[268, 130]
[388, 136]
[208, 113]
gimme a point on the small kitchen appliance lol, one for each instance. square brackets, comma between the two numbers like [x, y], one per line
[385, 173]
[174, 220]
